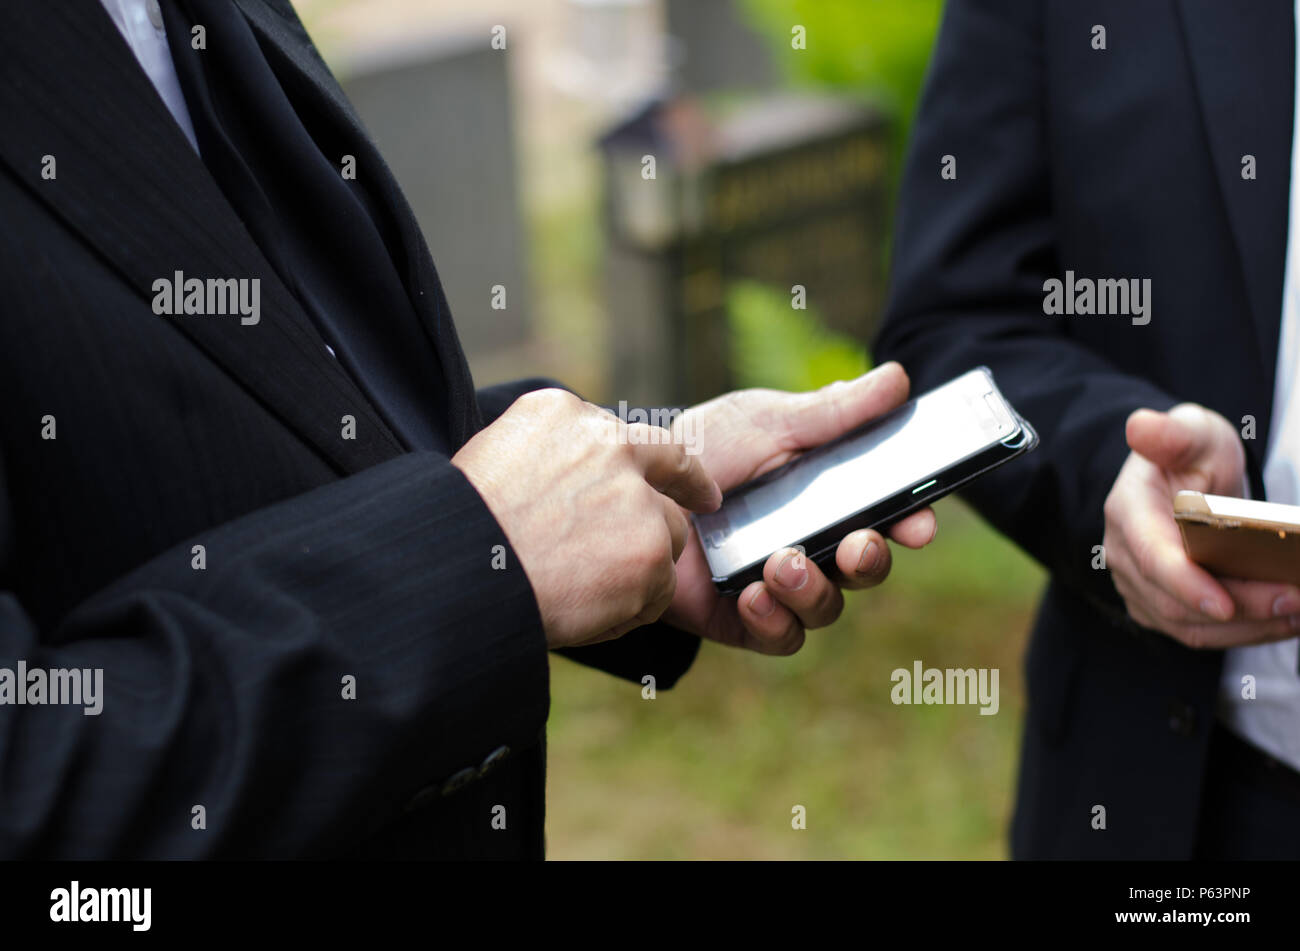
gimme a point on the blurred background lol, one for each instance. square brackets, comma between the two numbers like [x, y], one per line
[657, 201]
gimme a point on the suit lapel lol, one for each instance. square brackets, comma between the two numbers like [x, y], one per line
[131, 185]
[279, 28]
[1243, 62]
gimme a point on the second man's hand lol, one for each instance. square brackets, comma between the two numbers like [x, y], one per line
[749, 432]
[1189, 447]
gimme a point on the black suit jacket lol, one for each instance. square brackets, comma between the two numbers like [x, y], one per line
[326, 558]
[1117, 163]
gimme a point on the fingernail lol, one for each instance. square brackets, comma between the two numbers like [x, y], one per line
[1285, 604]
[1215, 609]
[870, 555]
[791, 575]
[762, 603]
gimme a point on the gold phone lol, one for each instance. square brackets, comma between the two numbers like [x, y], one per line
[1240, 538]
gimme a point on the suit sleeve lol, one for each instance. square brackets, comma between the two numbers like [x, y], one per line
[658, 649]
[229, 687]
[970, 259]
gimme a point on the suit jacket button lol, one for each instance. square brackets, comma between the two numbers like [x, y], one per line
[459, 781]
[493, 758]
[1182, 718]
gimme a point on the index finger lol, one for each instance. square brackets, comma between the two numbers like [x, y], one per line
[670, 469]
[1158, 547]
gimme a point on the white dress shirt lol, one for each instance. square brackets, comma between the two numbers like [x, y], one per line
[1272, 720]
[141, 24]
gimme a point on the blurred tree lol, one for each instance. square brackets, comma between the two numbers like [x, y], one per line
[879, 48]
[776, 346]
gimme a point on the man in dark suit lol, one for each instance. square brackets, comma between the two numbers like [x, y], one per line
[1147, 146]
[246, 481]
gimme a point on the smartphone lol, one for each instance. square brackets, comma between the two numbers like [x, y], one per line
[867, 478]
[1240, 538]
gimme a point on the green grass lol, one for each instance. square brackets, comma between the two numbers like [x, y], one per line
[712, 768]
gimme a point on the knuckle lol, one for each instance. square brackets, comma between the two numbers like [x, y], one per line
[666, 588]
[649, 552]
[551, 396]
[831, 607]
[833, 394]
[632, 491]
[531, 398]
[736, 399]
[682, 463]
[621, 448]
[645, 564]
[790, 643]
[629, 438]
[657, 592]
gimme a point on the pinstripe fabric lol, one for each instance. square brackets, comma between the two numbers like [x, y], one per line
[323, 558]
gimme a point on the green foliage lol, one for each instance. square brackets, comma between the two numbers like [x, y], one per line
[879, 47]
[776, 346]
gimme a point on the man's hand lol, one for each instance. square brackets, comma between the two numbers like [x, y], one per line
[1190, 447]
[591, 508]
[741, 436]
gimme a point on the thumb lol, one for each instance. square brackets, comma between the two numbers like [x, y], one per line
[1183, 440]
[821, 415]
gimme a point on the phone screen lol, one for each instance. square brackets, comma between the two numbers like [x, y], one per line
[824, 486]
